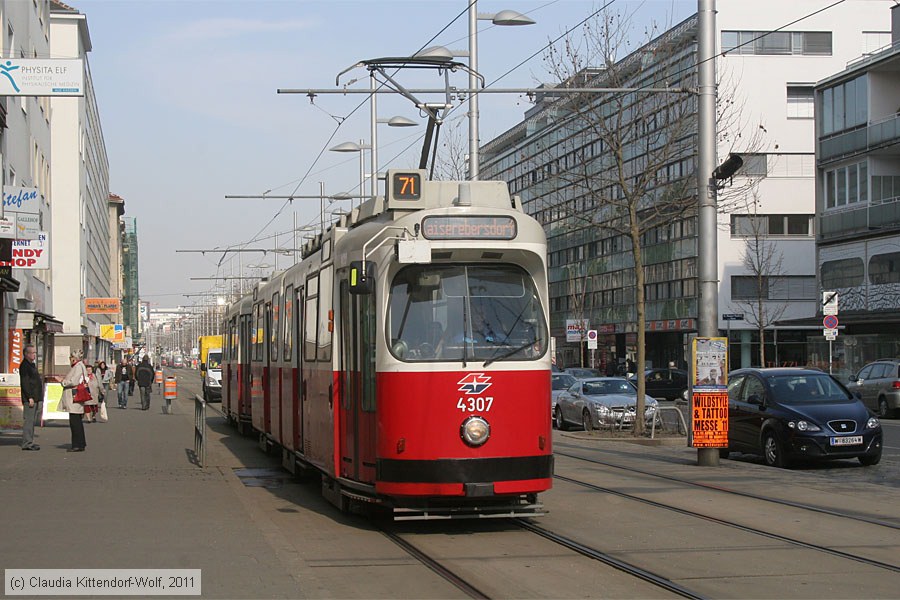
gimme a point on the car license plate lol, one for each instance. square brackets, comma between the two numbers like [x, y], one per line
[846, 441]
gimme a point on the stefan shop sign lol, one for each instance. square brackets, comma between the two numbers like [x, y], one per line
[30, 254]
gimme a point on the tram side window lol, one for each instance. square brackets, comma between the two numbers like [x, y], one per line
[288, 323]
[367, 351]
[276, 330]
[325, 307]
[310, 315]
[259, 332]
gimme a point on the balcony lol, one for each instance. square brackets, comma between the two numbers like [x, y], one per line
[865, 139]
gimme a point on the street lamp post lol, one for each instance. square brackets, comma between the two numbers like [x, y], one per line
[354, 147]
[504, 17]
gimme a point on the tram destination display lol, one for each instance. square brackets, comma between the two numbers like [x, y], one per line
[469, 227]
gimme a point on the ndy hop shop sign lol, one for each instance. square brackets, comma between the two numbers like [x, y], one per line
[30, 254]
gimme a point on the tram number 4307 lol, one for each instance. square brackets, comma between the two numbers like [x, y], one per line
[478, 404]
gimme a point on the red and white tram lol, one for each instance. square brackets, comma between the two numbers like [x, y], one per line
[405, 358]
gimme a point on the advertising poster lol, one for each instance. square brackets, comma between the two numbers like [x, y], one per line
[11, 417]
[709, 398]
[102, 306]
[710, 364]
[16, 349]
[52, 396]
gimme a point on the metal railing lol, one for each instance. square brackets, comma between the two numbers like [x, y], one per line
[200, 430]
[658, 417]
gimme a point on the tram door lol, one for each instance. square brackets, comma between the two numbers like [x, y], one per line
[357, 385]
[298, 397]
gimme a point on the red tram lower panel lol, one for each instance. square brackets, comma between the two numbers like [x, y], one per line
[421, 450]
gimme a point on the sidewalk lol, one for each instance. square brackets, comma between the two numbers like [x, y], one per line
[134, 499]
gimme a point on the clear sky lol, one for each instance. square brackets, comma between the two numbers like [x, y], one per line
[190, 114]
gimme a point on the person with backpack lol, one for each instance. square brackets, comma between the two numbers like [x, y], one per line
[144, 375]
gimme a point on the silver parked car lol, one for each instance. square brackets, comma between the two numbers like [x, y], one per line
[879, 385]
[559, 383]
[600, 402]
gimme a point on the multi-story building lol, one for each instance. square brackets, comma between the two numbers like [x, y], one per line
[25, 293]
[131, 298]
[766, 95]
[80, 250]
[858, 201]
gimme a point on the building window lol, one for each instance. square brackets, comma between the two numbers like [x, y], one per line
[844, 273]
[884, 268]
[885, 188]
[845, 106]
[800, 102]
[847, 185]
[813, 43]
[771, 225]
[794, 287]
[755, 165]
[749, 287]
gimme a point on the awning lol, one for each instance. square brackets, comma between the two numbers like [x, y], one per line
[35, 319]
[8, 283]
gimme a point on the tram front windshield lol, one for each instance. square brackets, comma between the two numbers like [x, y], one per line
[465, 312]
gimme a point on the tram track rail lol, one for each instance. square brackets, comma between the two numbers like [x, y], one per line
[435, 566]
[732, 524]
[607, 559]
[750, 495]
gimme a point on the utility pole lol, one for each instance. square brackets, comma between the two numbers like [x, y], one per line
[706, 159]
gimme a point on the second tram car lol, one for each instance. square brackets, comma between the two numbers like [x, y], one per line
[405, 358]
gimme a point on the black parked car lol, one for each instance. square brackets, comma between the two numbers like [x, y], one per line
[787, 414]
[671, 384]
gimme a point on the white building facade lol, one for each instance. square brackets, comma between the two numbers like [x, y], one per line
[767, 81]
[80, 185]
[771, 78]
[25, 143]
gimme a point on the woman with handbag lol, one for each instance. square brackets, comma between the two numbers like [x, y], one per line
[73, 397]
[92, 406]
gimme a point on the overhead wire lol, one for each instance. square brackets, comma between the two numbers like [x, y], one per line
[340, 122]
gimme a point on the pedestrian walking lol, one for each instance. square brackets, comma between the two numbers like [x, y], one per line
[32, 387]
[144, 375]
[122, 379]
[131, 381]
[92, 406]
[77, 374]
[105, 374]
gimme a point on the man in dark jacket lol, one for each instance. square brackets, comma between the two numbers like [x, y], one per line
[32, 387]
[144, 375]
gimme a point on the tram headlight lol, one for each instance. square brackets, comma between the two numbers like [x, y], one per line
[475, 431]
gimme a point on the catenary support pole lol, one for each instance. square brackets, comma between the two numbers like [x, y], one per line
[708, 255]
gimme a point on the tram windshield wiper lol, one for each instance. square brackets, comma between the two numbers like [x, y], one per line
[509, 353]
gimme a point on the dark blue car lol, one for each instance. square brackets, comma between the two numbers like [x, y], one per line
[790, 414]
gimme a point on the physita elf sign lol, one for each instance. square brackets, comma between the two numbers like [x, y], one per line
[41, 77]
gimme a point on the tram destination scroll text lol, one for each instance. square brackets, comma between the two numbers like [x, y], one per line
[102, 582]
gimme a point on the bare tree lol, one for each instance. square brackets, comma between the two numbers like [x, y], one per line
[451, 160]
[625, 165]
[763, 262]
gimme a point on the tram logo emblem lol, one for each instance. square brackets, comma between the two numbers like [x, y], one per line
[474, 383]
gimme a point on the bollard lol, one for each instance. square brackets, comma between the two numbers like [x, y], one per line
[158, 380]
[171, 394]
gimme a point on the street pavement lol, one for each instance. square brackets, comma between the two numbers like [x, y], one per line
[135, 499]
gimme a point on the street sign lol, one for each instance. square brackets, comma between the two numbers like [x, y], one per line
[592, 339]
[829, 303]
[830, 334]
[830, 322]
[733, 317]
